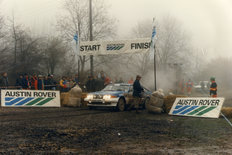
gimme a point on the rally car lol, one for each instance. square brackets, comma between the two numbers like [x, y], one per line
[117, 96]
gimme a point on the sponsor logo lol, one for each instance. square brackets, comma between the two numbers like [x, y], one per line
[26, 101]
[192, 110]
[113, 47]
[197, 107]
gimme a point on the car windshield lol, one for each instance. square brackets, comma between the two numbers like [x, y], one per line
[116, 87]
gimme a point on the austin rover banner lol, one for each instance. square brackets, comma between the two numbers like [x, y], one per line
[114, 47]
[197, 107]
[30, 98]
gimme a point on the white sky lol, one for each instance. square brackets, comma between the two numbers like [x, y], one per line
[209, 21]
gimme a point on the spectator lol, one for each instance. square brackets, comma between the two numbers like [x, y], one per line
[46, 87]
[34, 82]
[19, 81]
[26, 82]
[131, 81]
[120, 80]
[4, 81]
[107, 81]
[63, 84]
[51, 82]
[116, 80]
[40, 83]
[76, 79]
[101, 81]
[90, 84]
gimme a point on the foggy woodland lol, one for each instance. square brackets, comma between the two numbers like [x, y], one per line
[177, 58]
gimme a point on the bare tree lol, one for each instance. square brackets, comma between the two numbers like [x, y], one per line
[173, 44]
[55, 54]
[27, 55]
[76, 19]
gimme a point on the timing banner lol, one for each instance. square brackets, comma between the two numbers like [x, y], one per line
[30, 98]
[114, 47]
[197, 107]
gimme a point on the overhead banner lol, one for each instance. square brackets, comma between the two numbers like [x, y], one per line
[30, 98]
[197, 107]
[114, 47]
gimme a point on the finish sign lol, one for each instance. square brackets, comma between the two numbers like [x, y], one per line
[30, 98]
[197, 107]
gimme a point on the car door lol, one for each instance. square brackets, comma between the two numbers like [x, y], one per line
[129, 96]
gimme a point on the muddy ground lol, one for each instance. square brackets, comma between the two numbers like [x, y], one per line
[83, 131]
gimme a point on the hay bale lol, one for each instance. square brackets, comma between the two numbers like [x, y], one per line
[76, 92]
[153, 109]
[158, 94]
[156, 101]
[74, 102]
[64, 97]
[227, 111]
[169, 101]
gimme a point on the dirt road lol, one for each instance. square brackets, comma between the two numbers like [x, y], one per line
[82, 131]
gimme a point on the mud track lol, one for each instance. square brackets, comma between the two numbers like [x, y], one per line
[83, 131]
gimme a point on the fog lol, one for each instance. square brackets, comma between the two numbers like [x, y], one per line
[200, 35]
[208, 21]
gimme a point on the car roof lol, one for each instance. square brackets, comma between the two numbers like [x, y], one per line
[121, 84]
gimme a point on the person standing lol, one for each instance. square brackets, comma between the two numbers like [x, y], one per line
[26, 82]
[120, 80]
[76, 79]
[181, 86]
[189, 86]
[213, 87]
[19, 82]
[137, 93]
[90, 84]
[40, 83]
[51, 83]
[131, 81]
[63, 84]
[4, 81]
[34, 82]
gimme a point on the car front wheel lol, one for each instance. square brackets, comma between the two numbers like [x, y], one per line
[121, 105]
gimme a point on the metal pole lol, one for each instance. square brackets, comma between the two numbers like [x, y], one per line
[77, 50]
[227, 119]
[91, 34]
[155, 67]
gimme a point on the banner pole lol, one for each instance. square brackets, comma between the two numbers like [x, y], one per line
[226, 119]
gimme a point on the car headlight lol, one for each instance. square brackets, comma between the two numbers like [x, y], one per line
[108, 97]
[89, 97]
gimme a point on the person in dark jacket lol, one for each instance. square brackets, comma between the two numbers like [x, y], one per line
[26, 82]
[40, 82]
[4, 81]
[90, 84]
[137, 93]
[19, 81]
[213, 88]
[51, 82]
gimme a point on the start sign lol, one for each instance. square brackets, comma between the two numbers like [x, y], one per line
[30, 98]
[197, 107]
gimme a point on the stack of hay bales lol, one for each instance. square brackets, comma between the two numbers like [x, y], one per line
[155, 104]
[227, 111]
[169, 101]
[72, 98]
[64, 99]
